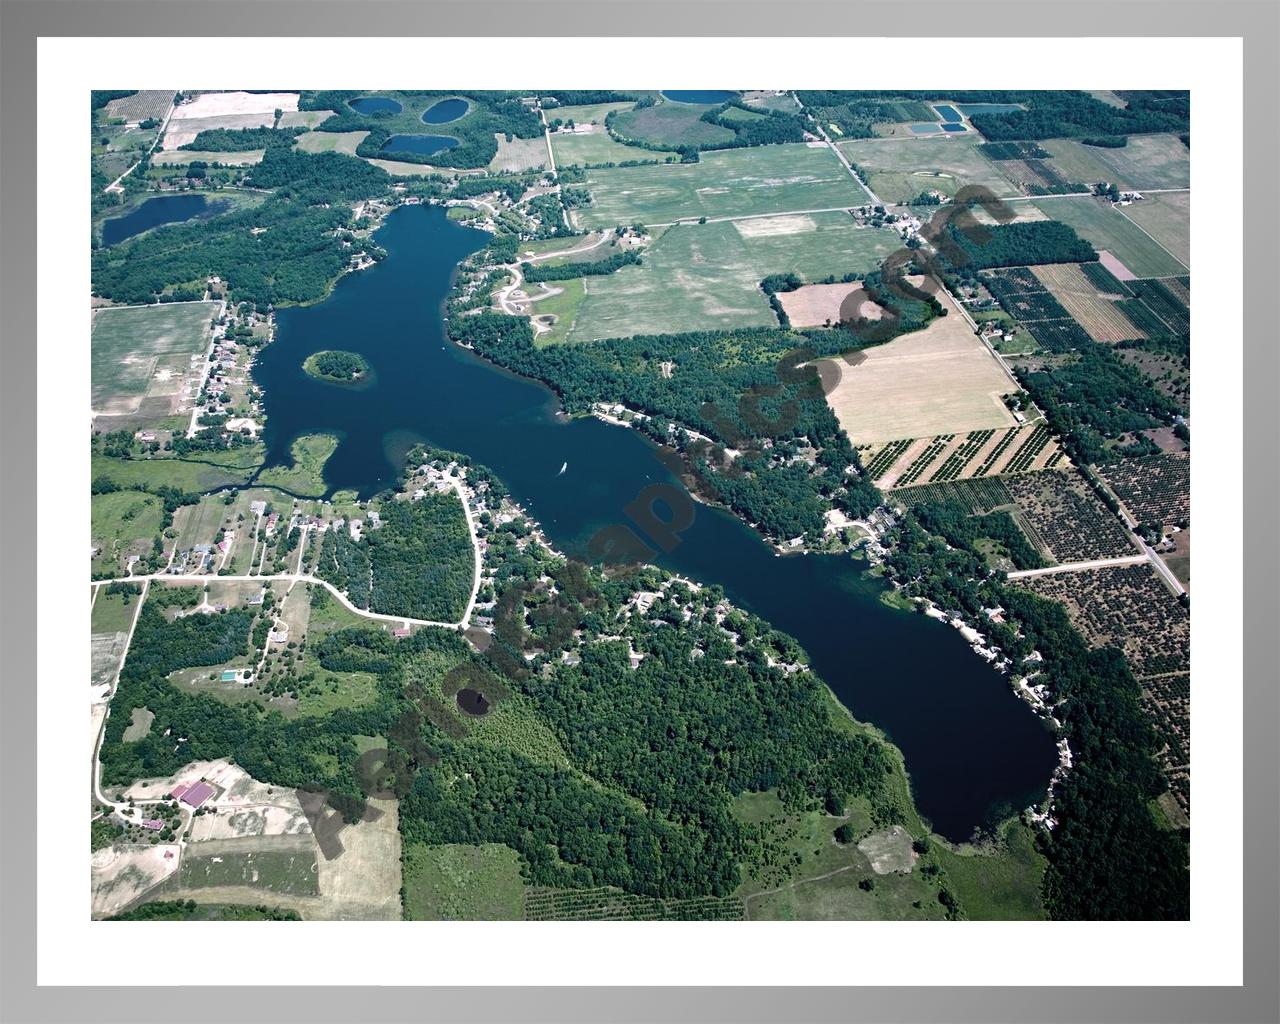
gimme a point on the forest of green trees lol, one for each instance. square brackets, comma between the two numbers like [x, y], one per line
[419, 562]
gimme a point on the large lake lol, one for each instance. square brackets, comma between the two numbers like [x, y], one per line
[973, 749]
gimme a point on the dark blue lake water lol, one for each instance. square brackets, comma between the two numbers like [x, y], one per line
[375, 105]
[947, 113]
[425, 144]
[445, 111]
[710, 97]
[157, 211]
[973, 750]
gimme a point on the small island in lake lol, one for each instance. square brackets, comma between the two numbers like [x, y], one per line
[336, 366]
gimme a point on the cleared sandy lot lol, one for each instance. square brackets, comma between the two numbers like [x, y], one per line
[941, 380]
[816, 305]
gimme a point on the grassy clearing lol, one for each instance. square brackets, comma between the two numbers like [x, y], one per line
[514, 724]
[900, 169]
[587, 113]
[797, 870]
[111, 613]
[182, 157]
[306, 476]
[709, 274]
[1105, 227]
[122, 523]
[560, 311]
[1001, 883]
[729, 183]
[462, 883]
[671, 125]
[145, 351]
[1146, 161]
[281, 864]
[330, 142]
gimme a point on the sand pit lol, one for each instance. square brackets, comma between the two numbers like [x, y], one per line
[788, 224]
[889, 851]
[118, 877]
[941, 380]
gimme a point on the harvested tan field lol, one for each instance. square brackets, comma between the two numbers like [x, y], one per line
[1101, 318]
[940, 380]
[816, 305]
[222, 104]
[1117, 268]
[330, 142]
[118, 876]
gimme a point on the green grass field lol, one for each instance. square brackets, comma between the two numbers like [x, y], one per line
[122, 521]
[110, 612]
[564, 306]
[670, 125]
[900, 169]
[462, 883]
[728, 183]
[1166, 217]
[709, 274]
[283, 864]
[598, 148]
[1001, 884]
[587, 113]
[1146, 161]
[519, 154]
[306, 476]
[1105, 227]
[202, 472]
[141, 352]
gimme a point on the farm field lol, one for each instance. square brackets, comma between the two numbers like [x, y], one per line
[1145, 162]
[304, 118]
[940, 380]
[1101, 318]
[1155, 489]
[144, 356]
[519, 154]
[1070, 519]
[1166, 217]
[961, 457]
[213, 110]
[900, 169]
[587, 113]
[710, 274]
[1105, 227]
[330, 142]
[182, 157]
[815, 305]
[729, 183]
[147, 103]
[598, 147]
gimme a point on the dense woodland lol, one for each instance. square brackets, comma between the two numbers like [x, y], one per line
[286, 250]
[1017, 245]
[564, 271]
[1049, 114]
[418, 563]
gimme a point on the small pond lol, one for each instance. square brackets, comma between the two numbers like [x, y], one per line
[157, 211]
[947, 113]
[473, 702]
[424, 144]
[375, 105]
[445, 111]
[708, 97]
[969, 109]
